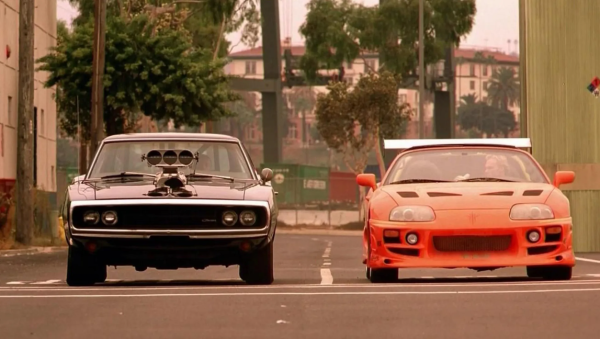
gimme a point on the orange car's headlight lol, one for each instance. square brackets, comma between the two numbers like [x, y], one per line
[531, 212]
[412, 214]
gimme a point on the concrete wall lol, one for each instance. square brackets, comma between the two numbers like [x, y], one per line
[45, 37]
[560, 45]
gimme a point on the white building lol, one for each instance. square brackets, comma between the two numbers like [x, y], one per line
[45, 106]
[472, 72]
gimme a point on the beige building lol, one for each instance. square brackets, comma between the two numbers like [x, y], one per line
[474, 68]
[45, 106]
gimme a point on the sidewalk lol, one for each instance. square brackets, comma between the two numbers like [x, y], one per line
[31, 250]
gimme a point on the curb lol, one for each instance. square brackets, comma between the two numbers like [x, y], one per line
[30, 251]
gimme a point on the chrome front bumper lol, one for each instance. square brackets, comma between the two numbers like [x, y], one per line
[229, 233]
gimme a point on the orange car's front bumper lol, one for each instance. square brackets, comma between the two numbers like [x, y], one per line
[493, 247]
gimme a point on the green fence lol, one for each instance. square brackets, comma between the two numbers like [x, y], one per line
[299, 184]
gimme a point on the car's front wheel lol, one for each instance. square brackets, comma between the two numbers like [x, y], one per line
[83, 269]
[382, 275]
[257, 268]
[550, 272]
[558, 273]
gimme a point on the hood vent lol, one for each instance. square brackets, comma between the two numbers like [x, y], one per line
[440, 194]
[532, 193]
[408, 194]
[505, 193]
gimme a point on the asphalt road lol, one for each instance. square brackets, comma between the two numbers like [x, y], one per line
[320, 292]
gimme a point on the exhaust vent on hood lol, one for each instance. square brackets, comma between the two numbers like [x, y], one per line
[441, 194]
[532, 193]
[408, 194]
[505, 193]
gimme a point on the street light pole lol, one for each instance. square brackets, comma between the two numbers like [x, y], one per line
[421, 72]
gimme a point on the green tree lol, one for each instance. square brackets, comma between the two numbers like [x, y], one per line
[341, 30]
[208, 21]
[149, 70]
[504, 88]
[350, 122]
[479, 116]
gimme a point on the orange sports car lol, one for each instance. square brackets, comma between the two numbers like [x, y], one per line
[481, 204]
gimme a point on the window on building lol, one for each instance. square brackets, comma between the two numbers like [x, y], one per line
[369, 66]
[349, 65]
[1, 140]
[349, 80]
[485, 70]
[402, 98]
[472, 85]
[472, 70]
[52, 178]
[250, 67]
[485, 85]
[42, 123]
[9, 110]
[293, 131]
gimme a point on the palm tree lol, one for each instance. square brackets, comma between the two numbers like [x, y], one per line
[468, 100]
[504, 89]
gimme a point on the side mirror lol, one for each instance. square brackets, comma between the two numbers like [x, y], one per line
[366, 180]
[563, 177]
[266, 174]
[77, 178]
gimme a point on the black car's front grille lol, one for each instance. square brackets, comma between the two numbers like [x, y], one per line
[168, 216]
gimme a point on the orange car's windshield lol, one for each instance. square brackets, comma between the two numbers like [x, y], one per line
[465, 164]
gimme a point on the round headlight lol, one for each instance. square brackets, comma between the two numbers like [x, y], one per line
[91, 217]
[248, 218]
[109, 218]
[412, 238]
[229, 218]
[533, 236]
[408, 215]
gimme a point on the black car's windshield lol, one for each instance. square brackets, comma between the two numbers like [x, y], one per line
[465, 165]
[215, 158]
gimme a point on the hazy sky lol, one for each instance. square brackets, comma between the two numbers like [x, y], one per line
[496, 21]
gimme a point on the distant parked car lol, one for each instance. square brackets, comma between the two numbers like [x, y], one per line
[168, 201]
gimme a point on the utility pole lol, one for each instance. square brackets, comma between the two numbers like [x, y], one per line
[25, 137]
[97, 125]
[421, 72]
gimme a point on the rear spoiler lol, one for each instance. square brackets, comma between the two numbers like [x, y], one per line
[402, 144]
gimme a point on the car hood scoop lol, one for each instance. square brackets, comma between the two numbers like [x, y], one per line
[471, 195]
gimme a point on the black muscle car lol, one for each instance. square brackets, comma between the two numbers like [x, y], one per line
[169, 201]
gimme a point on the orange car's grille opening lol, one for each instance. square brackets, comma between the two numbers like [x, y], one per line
[472, 243]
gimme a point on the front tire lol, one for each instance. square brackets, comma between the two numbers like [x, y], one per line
[558, 273]
[257, 268]
[382, 275]
[550, 272]
[83, 269]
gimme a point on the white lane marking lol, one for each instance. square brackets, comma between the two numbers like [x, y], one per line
[326, 277]
[310, 286]
[588, 260]
[47, 282]
[427, 277]
[593, 275]
[16, 283]
[234, 294]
